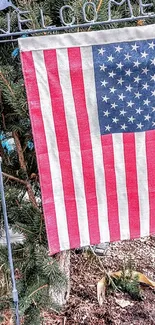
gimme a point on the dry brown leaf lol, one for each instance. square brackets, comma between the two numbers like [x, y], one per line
[101, 285]
[141, 278]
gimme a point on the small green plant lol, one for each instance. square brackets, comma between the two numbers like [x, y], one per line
[129, 282]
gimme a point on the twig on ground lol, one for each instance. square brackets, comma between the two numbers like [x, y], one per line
[104, 270]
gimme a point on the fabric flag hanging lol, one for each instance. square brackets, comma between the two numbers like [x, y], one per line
[91, 98]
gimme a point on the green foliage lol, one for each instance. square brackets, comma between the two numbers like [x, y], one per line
[33, 316]
[127, 283]
[35, 271]
[130, 286]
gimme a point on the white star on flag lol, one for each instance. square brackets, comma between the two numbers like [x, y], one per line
[120, 66]
[108, 127]
[104, 83]
[129, 88]
[137, 95]
[136, 64]
[101, 51]
[151, 45]
[121, 97]
[135, 47]
[147, 117]
[115, 120]
[122, 112]
[140, 126]
[127, 56]
[112, 74]
[131, 119]
[114, 105]
[137, 79]
[139, 110]
[130, 104]
[145, 86]
[144, 55]
[120, 81]
[106, 113]
[110, 58]
[105, 98]
[123, 127]
[128, 72]
[146, 102]
[153, 77]
[112, 90]
[153, 61]
[145, 70]
[118, 49]
[103, 67]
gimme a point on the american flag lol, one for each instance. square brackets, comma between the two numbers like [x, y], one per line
[92, 106]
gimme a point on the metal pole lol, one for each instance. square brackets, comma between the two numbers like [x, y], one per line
[14, 290]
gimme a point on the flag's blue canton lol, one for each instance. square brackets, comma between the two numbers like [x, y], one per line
[125, 86]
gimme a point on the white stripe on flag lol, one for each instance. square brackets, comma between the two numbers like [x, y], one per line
[46, 109]
[74, 143]
[121, 185]
[142, 179]
[91, 102]
[87, 39]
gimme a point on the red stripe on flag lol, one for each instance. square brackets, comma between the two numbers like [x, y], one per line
[41, 151]
[111, 191]
[76, 74]
[132, 183]
[150, 154]
[63, 146]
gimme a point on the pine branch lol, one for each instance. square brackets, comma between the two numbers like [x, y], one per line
[1, 150]
[24, 229]
[7, 83]
[27, 185]
[23, 166]
[31, 195]
[13, 178]
[99, 5]
[42, 287]
[20, 151]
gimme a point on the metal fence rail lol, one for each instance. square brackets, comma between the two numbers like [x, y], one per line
[23, 18]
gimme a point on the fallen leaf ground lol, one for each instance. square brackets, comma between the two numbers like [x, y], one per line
[86, 271]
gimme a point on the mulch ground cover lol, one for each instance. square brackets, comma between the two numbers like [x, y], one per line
[87, 270]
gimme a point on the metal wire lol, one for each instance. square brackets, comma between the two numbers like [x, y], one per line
[65, 28]
[6, 36]
[14, 289]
